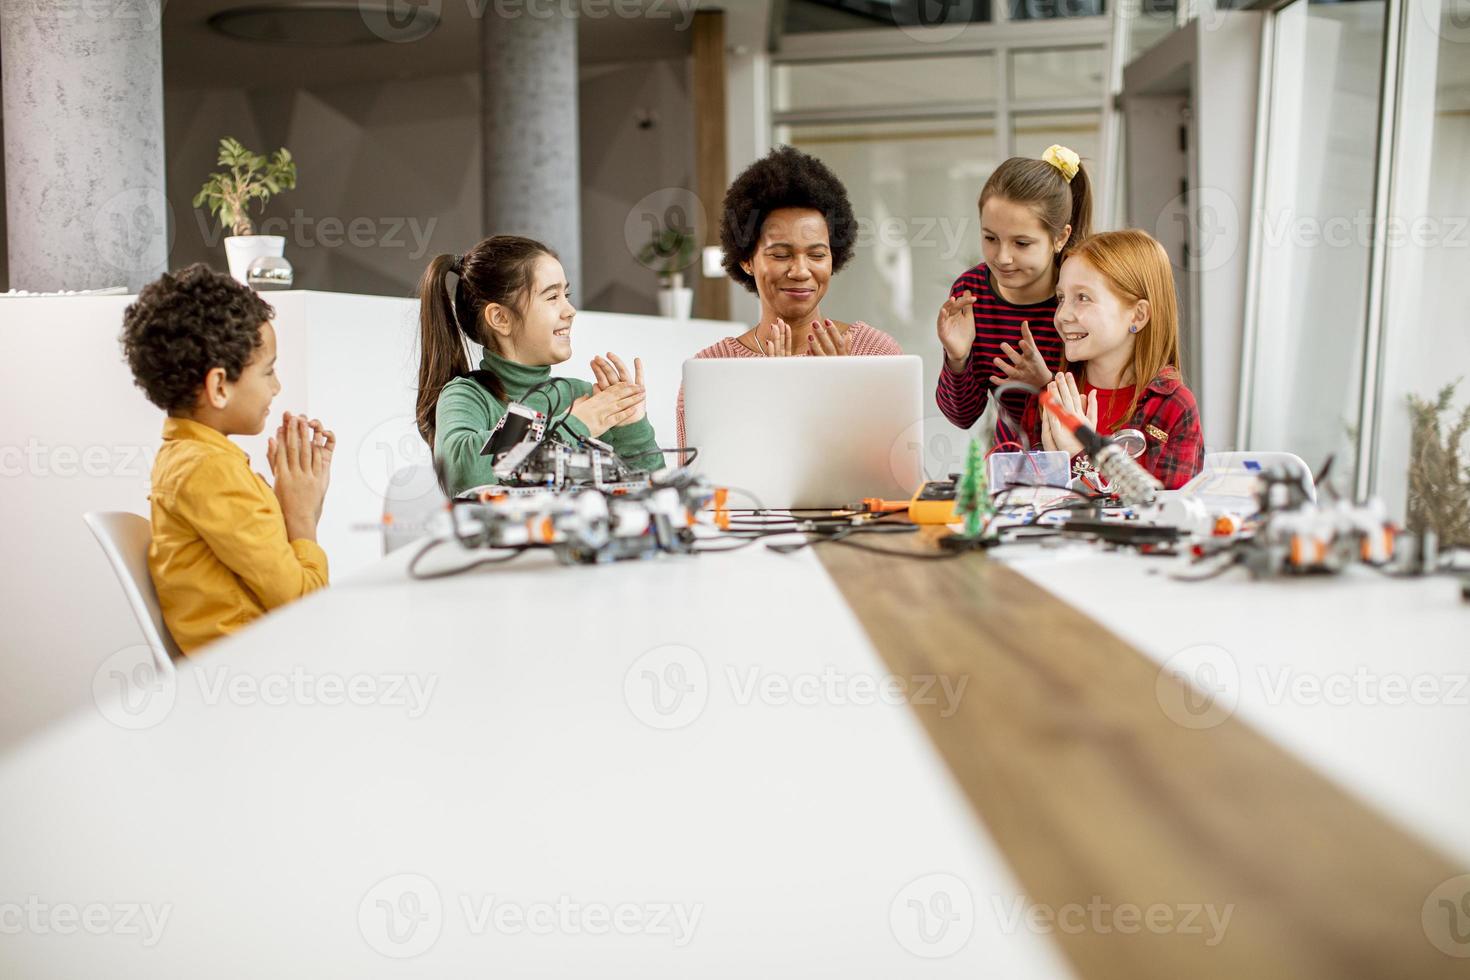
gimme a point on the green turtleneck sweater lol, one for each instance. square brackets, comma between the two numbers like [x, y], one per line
[467, 412]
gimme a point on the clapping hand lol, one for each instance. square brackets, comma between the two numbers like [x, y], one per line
[1054, 433]
[611, 371]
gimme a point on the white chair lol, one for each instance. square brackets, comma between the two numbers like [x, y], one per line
[412, 500]
[1244, 460]
[125, 538]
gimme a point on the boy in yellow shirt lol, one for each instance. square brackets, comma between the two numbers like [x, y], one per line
[226, 546]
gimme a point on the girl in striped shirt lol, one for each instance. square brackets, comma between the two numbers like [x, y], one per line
[1031, 211]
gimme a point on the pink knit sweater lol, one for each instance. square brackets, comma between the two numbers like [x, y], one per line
[863, 341]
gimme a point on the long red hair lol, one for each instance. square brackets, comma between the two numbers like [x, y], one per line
[1136, 267]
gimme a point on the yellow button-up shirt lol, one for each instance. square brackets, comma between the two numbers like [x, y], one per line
[219, 556]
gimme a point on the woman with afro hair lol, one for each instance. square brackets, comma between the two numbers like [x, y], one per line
[786, 227]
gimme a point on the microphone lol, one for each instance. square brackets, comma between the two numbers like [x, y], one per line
[1132, 484]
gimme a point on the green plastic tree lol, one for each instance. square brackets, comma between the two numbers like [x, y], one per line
[972, 496]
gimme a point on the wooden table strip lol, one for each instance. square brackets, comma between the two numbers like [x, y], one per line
[1095, 796]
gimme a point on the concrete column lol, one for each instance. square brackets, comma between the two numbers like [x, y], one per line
[84, 165]
[529, 96]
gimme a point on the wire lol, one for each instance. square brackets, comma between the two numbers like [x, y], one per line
[1002, 413]
[429, 546]
[1235, 558]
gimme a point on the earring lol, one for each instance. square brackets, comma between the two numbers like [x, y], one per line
[1133, 329]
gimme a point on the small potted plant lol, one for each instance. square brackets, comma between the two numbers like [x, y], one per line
[228, 193]
[669, 252]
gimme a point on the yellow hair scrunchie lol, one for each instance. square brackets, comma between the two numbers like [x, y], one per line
[1065, 160]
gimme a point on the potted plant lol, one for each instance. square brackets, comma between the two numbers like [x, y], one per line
[669, 252]
[228, 193]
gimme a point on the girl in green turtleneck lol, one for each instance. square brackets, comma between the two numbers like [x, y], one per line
[511, 297]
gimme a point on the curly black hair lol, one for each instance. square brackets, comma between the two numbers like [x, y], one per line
[783, 178]
[183, 325]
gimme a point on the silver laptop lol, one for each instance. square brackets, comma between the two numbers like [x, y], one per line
[807, 432]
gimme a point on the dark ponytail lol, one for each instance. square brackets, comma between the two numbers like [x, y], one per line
[497, 270]
[1081, 221]
[1057, 201]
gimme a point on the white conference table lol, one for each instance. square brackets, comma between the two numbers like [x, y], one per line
[683, 767]
[536, 774]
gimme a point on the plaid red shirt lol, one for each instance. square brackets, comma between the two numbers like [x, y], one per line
[1169, 420]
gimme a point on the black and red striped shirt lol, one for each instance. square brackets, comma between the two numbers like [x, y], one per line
[962, 395]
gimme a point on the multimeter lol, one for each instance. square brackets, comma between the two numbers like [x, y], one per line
[933, 502]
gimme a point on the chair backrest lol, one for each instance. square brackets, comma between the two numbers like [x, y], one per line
[1247, 460]
[125, 538]
[412, 500]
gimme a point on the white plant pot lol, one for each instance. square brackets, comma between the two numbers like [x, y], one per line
[676, 303]
[242, 250]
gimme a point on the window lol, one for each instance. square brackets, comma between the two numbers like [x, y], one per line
[1314, 232]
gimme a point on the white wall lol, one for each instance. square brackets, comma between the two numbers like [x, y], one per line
[349, 360]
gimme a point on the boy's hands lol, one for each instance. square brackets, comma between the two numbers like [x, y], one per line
[607, 408]
[956, 327]
[610, 371]
[1055, 435]
[301, 461]
[1025, 365]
